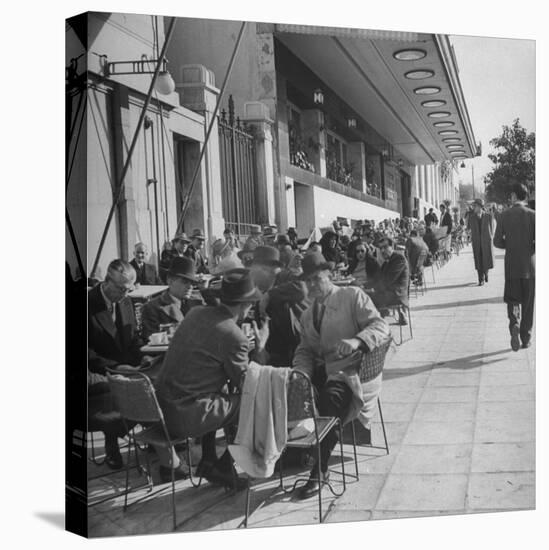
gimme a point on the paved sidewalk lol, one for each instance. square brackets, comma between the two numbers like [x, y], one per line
[459, 412]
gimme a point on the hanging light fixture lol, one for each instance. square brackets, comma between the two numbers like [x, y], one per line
[164, 84]
[318, 97]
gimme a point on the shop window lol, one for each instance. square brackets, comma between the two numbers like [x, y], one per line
[298, 152]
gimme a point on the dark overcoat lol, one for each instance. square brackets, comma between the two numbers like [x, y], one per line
[207, 350]
[482, 235]
[515, 233]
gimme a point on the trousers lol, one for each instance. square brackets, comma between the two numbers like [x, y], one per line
[332, 399]
[519, 295]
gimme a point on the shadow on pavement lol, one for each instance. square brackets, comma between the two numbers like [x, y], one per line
[449, 305]
[447, 287]
[463, 363]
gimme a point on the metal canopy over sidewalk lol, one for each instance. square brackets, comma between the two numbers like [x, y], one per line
[361, 67]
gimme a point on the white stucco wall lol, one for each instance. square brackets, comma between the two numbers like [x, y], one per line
[329, 205]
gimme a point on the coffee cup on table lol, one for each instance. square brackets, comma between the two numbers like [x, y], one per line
[157, 338]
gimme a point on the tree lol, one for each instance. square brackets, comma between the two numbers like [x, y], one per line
[515, 161]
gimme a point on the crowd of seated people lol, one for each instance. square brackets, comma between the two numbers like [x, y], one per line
[271, 300]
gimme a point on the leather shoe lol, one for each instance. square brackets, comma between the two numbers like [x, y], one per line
[313, 486]
[113, 458]
[515, 340]
[178, 473]
[221, 472]
[526, 344]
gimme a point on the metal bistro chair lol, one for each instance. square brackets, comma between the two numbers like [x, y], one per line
[397, 310]
[136, 399]
[371, 366]
[301, 406]
[419, 268]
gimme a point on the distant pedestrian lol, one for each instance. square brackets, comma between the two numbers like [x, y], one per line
[482, 225]
[515, 232]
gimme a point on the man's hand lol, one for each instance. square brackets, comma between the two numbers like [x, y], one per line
[146, 362]
[346, 347]
[127, 368]
[261, 334]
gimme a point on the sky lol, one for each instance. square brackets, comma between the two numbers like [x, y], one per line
[498, 80]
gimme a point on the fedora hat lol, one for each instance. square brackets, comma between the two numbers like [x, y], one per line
[283, 239]
[183, 267]
[249, 248]
[314, 262]
[219, 246]
[479, 202]
[255, 229]
[226, 264]
[198, 234]
[181, 237]
[237, 287]
[267, 255]
[269, 231]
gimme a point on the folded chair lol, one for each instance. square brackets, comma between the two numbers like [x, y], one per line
[301, 406]
[136, 400]
[371, 366]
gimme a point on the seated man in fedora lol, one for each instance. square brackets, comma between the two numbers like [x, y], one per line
[195, 251]
[145, 273]
[178, 249]
[207, 351]
[255, 239]
[175, 302]
[339, 326]
[283, 300]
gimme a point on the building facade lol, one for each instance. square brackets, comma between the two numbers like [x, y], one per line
[166, 151]
[315, 124]
[363, 124]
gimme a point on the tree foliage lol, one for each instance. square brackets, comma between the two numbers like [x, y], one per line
[515, 161]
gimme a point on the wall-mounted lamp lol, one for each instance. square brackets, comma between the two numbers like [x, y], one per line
[318, 97]
[164, 85]
[351, 122]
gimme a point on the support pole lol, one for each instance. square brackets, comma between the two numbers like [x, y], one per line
[118, 196]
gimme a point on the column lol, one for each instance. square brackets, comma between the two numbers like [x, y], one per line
[198, 93]
[315, 139]
[257, 115]
[127, 222]
[356, 157]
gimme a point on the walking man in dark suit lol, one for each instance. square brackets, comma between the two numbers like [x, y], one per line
[481, 224]
[145, 273]
[515, 232]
